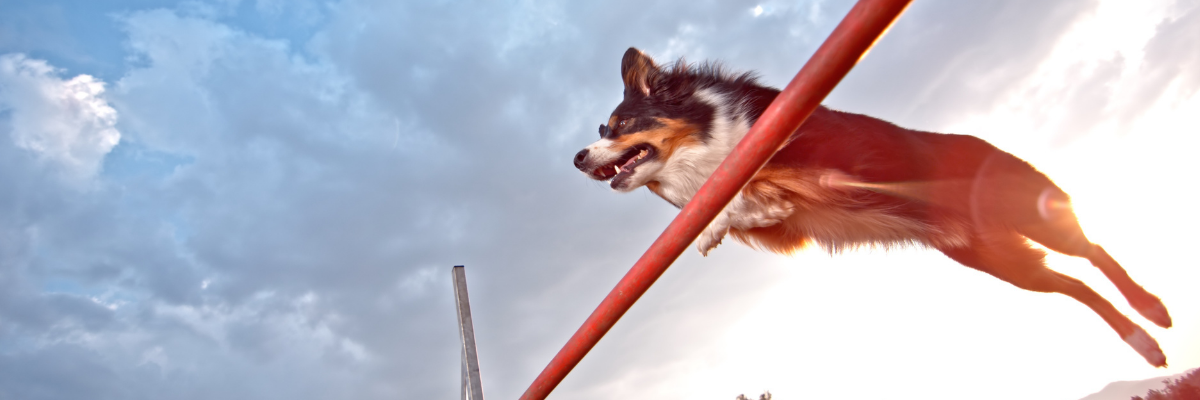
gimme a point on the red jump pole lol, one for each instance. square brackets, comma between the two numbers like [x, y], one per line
[848, 43]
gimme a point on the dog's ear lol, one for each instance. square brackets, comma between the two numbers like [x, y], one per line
[638, 71]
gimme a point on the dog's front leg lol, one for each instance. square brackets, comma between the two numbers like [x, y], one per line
[716, 230]
[742, 214]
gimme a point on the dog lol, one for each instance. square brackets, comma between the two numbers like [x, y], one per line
[846, 180]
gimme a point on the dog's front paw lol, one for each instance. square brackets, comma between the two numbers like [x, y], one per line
[709, 239]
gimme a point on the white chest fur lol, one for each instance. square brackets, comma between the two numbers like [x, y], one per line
[690, 166]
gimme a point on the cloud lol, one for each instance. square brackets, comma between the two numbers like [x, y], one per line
[66, 123]
[130, 281]
[945, 59]
[1166, 62]
[1100, 72]
[280, 214]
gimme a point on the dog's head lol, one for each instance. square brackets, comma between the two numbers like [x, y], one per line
[658, 118]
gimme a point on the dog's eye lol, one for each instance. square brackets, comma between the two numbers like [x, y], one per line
[621, 125]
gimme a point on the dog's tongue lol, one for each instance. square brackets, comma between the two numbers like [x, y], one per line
[628, 164]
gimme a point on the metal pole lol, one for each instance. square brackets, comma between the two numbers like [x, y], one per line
[848, 43]
[472, 385]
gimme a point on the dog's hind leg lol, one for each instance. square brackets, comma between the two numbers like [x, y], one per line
[1005, 255]
[1060, 231]
[1149, 305]
[1047, 280]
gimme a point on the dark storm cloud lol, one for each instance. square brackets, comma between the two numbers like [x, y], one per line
[280, 216]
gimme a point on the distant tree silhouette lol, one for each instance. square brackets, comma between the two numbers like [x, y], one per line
[1186, 387]
[764, 396]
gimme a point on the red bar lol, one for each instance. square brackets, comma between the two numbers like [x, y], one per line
[848, 43]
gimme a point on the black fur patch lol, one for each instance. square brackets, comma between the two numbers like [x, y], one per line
[672, 90]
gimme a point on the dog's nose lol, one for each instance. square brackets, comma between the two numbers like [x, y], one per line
[582, 154]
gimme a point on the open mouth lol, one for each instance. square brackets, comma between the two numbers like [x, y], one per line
[624, 166]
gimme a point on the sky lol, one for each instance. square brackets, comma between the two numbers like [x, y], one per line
[263, 199]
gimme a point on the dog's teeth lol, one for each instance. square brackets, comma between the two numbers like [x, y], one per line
[641, 154]
[617, 168]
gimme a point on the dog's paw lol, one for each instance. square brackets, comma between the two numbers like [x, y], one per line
[1146, 346]
[709, 239]
[1151, 308]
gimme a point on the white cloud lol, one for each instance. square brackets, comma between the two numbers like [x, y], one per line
[327, 179]
[65, 122]
[1100, 76]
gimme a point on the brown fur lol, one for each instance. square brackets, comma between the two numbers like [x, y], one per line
[845, 180]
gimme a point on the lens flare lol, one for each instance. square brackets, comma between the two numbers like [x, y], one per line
[1051, 205]
[910, 190]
